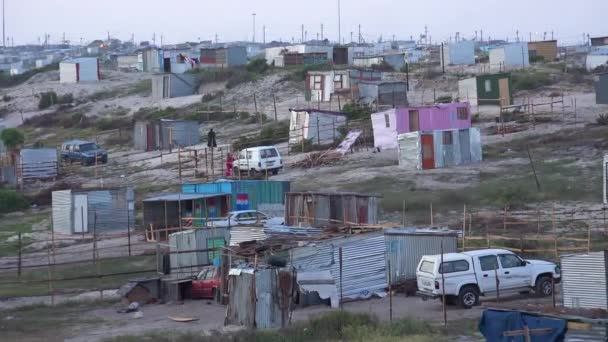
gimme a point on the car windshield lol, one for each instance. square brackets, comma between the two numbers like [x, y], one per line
[427, 267]
[88, 147]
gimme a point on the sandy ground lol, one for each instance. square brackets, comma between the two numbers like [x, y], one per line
[211, 316]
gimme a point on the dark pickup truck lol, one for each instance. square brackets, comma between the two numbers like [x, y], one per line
[83, 152]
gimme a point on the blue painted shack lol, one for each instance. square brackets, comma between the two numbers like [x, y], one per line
[262, 195]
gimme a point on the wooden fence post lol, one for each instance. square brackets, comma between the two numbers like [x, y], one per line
[464, 228]
[19, 256]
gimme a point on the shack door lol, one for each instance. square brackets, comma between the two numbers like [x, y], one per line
[81, 215]
[428, 153]
[503, 88]
[465, 146]
[150, 137]
[414, 120]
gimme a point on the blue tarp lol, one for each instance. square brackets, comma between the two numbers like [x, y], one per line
[494, 323]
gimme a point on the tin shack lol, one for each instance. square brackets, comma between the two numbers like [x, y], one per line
[165, 134]
[321, 127]
[324, 209]
[488, 89]
[383, 93]
[93, 211]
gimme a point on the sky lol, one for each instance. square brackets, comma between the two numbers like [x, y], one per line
[179, 21]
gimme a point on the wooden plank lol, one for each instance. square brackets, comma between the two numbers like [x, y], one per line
[183, 319]
[579, 326]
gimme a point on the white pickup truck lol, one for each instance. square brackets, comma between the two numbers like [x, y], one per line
[471, 274]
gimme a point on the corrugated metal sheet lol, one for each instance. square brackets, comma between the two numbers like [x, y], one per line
[584, 281]
[193, 240]
[409, 152]
[438, 146]
[601, 91]
[598, 333]
[405, 248]
[258, 191]
[38, 163]
[241, 304]
[111, 209]
[329, 209]
[62, 211]
[243, 234]
[179, 133]
[364, 263]
[475, 139]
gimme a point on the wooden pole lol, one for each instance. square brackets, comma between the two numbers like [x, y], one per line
[504, 219]
[464, 228]
[390, 293]
[554, 232]
[341, 293]
[274, 100]
[470, 224]
[50, 276]
[432, 214]
[533, 168]
[19, 246]
[588, 238]
[403, 215]
[179, 163]
[444, 306]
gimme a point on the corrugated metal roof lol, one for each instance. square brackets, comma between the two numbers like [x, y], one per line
[584, 281]
[181, 197]
[239, 234]
[420, 231]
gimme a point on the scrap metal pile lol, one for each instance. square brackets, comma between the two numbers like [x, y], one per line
[316, 159]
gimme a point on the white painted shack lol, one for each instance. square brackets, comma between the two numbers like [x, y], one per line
[321, 86]
[77, 70]
[510, 56]
[459, 53]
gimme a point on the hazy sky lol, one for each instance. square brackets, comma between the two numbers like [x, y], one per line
[177, 21]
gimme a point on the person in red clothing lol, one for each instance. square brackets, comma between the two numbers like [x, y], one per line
[229, 164]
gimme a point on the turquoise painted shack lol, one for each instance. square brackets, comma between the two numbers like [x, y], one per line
[262, 195]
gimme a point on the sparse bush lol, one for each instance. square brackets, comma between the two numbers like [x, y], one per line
[299, 75]
[65, 99]
[530, 80]
[12, 138]
[602, 119]
[258, 66]
[577, 75]
[537, 59]
[38, 144]
[271, 134]
[106, 124]
[357, 111]
[7, 98]
[11, 201]
[444, 99]
[244, 116]
[47, 99]
[384, 66]
[431, 73]
[7, 81]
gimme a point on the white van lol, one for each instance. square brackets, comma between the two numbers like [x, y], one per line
[259, 159]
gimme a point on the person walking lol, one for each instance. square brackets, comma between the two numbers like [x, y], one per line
[229, 164]
[211, 142]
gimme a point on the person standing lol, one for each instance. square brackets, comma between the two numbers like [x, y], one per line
[229, 164]
[211, 142]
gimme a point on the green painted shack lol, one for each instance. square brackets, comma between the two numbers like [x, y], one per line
[488, 89]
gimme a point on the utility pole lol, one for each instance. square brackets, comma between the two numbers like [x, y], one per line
[306, 35]
[552, 35]
[302, 39]
[359, 33]
[154, 38]
[108, 36]
[216, 38]
[426, 32]
[161, 40]
[351, 36]
[517, 35]
[264, 34]
[339, 24]
[530, 37]
[322, 31]
[253, 15]
[3, 26]
[481, 35]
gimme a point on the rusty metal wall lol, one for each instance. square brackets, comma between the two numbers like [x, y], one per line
[241, 304]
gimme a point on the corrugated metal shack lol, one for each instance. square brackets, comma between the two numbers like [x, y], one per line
[172, 212]
[185, 265]
[93, 211]
[35, 164]
[165, 134]
[584, 280]
[320, 209]
[263, 195]
[406, 246]
[165, 86]
[223, 57]
[259, 298]
[363, 263]
[319, 126]
[601, 89]
[546, 49]
[439, 149]
[458, 53]
[383, 93]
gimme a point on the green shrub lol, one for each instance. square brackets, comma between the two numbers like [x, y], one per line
[65, 99]
[244, 116]
[11, 201]
[12, 138]
[47, 99]
[357, 111]
[7, 81]
[271, 134]
[530, 80]
[258, 66]
[444, 99]
[384, 66]
[6, 98]
[537, 59]
[106, 124]
[299, 74]
[602, 119]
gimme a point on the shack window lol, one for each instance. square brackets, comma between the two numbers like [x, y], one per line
[317, 82]
[488, 86]
[338, 82]
[387, 121]
[447, 138]
[463, 113]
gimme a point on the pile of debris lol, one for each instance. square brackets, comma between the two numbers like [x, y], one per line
[316, 159]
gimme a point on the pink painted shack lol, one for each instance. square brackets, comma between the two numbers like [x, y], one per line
[389, 124]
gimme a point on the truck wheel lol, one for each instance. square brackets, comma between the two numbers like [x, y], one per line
[543, 287]
[468, 297]
[275, 172]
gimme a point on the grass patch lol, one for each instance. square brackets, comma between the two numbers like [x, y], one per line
[7, 81]
[46, 323]
[530, 80]
[39, 277]
[333, 326]
[11, 201]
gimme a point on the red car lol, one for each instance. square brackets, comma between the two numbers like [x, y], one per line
[207, 283]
